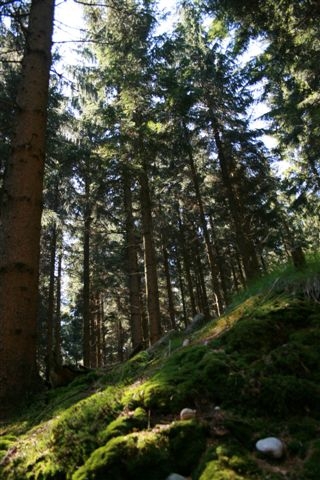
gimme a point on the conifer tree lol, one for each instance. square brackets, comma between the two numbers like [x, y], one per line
[21, 213]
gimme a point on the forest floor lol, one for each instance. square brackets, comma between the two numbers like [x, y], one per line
[250, 374]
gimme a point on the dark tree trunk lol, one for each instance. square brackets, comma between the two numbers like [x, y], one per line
[186, 264]
[220, 263]
[150, 262]
[57, 324]
[171, 309]
[119, 332]
[238, 211]
[203, 303]
[86, 278]
[21, 214]
[182, 292]
[132, 264]
[212, 263]
[51, 301]
[166, 268]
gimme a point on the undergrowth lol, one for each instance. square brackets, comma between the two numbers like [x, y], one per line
[252, 373]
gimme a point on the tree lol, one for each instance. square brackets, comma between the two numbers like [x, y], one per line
[21, 213]
[125, 62]
[289, 69]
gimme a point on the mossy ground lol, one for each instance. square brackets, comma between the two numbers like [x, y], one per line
[252, 373]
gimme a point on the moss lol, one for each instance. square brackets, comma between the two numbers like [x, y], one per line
[227, 461]
[136, 420]
[6, 441]
[241, 429]
[311, 465]
[150, 455]
[282, 395]
[293, 358]
[46, 469]
[76, 433]
[255, 335]
[304, 428]
[260, 365]
[176, 384]
[187, 442]
[132, 457]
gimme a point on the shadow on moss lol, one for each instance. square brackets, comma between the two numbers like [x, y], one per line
[150, 455]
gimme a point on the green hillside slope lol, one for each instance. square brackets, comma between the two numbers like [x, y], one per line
[251, 374]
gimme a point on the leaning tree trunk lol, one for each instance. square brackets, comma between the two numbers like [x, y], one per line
[21, 213]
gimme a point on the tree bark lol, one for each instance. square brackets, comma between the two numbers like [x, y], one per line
[171, 309]
[182, 292]
[186, 263]
[86, 278]
[57, 324]
[21, 213]
[239, 215]
[212, 263]
[132, 265]
[51, 301]
[150, 262]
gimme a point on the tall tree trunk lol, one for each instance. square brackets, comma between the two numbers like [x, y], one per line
[86, 277]
[132, 264]
[103, 332]
[21, 213]
[203, 302]
[171, 309]
[239, 215]
[119, 331]
[182, 293]
[95, 329]
[186, 264]
[212, 263]
[100, 331]
[220, 263]
[166, 267]
[57, 324]
[51, 301]
[150, 262]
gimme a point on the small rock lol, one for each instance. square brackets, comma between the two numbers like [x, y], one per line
[175, 476]
[187, 414]
[199, 320]
[185, 342]
[271, 447]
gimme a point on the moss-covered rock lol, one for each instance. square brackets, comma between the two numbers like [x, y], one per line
[227, 461]
[133, 456]
[150, 455]
[126, 423]
[311, 467]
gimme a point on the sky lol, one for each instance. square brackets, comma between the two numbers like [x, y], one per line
[67, 27]
[69, 19]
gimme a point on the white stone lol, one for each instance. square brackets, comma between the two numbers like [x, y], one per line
[187, 414]
[175, 476]
[271, 446]
[185, 342]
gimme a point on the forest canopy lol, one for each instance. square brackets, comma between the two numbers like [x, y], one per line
[161, 194]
